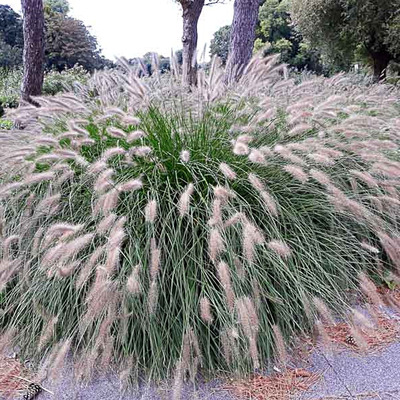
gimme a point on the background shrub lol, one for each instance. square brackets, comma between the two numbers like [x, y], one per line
[54, 82]
[58, 82]
[10, 86]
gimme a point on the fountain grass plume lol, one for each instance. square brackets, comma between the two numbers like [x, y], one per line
[172, 212]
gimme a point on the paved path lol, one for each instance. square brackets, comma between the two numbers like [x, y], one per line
[349, 375]
[346, 375]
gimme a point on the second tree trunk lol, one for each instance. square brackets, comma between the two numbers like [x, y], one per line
[242, 38]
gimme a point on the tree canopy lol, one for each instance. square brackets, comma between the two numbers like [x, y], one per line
[276, 34]
[69, 42]
[11, 37]
[219, 45]
[349, 29]
[59, 6]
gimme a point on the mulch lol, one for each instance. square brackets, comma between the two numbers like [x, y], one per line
[384, 332]
[14, 378]
[279, 386]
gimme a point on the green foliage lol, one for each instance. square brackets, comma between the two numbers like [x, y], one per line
[68, 42]
[151, 61]
[341, 27]
[276, 33]
[6, 124]
[58, 82]
[59, 6]
[11, 26]
[10, 86]
[54, 82]
[220, 44]
[392, 39]
[11, 37]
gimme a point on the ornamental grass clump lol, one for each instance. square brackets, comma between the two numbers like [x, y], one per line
[169, 231]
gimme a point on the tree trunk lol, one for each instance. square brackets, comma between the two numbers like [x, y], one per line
[191, 14]
[243, 35]
[381, 61]
[32, 82]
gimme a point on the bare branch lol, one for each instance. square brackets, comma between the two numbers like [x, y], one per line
[211, 2]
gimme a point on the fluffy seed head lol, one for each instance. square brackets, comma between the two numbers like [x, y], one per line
[281, 354]
[216, 244]
[112, 152]
[256, 182]
[106, 224]
[369, 248]
[141, 151]
[185, 156]
[155, 257]
[280, 248]
[104, 181]
[152, 297]
[184, 201]
[225, 279]
[246, 139]
[324, 311]
[150, 211]
[297, 172]
[222, 193]
[241, 149]
[205, 310]
[131, 186]
[216, 218]
[134, 136]
[257, 156]
[117, 133]
[370, 290]
[236, 218]
[227, 171]
[251, 237]
[133, 283]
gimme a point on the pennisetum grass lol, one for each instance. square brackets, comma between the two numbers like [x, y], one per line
[193, 222]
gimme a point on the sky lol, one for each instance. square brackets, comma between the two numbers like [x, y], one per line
[131, 28]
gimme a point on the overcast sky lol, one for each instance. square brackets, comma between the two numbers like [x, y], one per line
[131, 28]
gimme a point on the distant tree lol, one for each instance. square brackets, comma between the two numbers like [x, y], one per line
[11, 37]
[243, 34]
[11, 26]
[33, 24]
[69, 42]
[165, 64]
[179, 56]
[343, 28]
[220, 43]
[148, 62]
[276, 34]
[59, 6]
